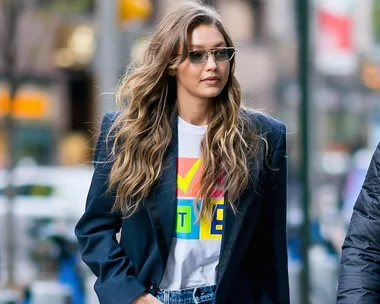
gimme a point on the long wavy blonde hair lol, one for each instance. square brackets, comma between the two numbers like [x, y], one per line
[143, 131]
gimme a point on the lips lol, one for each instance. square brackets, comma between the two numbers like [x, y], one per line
[211, 78]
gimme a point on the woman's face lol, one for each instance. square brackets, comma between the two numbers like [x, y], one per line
[206, 80]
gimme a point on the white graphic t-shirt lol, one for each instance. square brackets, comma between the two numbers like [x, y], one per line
[195, 249]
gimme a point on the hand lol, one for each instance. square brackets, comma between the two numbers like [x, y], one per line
[146, 298]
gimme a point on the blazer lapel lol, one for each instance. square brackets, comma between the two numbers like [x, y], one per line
[232, 242]
[162, 204]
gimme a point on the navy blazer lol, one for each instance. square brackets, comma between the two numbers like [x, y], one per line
[253, 265]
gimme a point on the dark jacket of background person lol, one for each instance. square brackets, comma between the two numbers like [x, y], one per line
[253, 264]
[359, 279]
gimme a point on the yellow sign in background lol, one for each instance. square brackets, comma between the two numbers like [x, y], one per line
[129, 10]
[29, 104]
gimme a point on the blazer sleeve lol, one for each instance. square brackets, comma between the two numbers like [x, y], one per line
[96, 234]
[272, 258]
[359, 278]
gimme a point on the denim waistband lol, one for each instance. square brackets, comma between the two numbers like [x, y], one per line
[187, 296]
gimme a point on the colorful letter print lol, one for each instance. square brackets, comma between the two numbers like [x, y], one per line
[188, 228]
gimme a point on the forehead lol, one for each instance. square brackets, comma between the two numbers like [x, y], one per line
[206, 36]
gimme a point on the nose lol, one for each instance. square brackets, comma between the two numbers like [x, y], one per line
[211, 62]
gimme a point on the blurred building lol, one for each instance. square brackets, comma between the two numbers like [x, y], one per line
[53, 55]
[69, 60]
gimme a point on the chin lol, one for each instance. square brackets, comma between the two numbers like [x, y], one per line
[209, 96]
[211, 93]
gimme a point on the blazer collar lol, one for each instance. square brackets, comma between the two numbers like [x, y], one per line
[162, 205]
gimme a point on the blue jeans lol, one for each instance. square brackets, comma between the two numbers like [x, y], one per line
[204, 295]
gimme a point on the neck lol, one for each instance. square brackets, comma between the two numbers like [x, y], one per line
[194, 110]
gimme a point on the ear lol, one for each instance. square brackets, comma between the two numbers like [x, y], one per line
[172, 72]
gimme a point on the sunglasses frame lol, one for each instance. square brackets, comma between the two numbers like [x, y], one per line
[212, 52]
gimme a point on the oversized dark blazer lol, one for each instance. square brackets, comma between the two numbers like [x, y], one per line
[253, 264]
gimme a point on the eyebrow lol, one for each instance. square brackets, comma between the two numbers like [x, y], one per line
[221, 43]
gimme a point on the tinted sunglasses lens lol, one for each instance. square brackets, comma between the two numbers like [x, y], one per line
[197, 56]
[224, 54]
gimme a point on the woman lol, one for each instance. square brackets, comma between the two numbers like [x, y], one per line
[196, 183]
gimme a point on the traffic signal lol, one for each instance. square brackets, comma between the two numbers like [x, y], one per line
[129, 10]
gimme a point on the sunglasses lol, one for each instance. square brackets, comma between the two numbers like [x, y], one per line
[220, 54]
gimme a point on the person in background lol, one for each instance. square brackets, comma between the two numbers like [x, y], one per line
[195, 182]
[359, 277]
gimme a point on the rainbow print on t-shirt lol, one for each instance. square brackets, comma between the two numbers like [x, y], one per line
[188, 183]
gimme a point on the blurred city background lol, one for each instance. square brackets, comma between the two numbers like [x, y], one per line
[60, 61]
